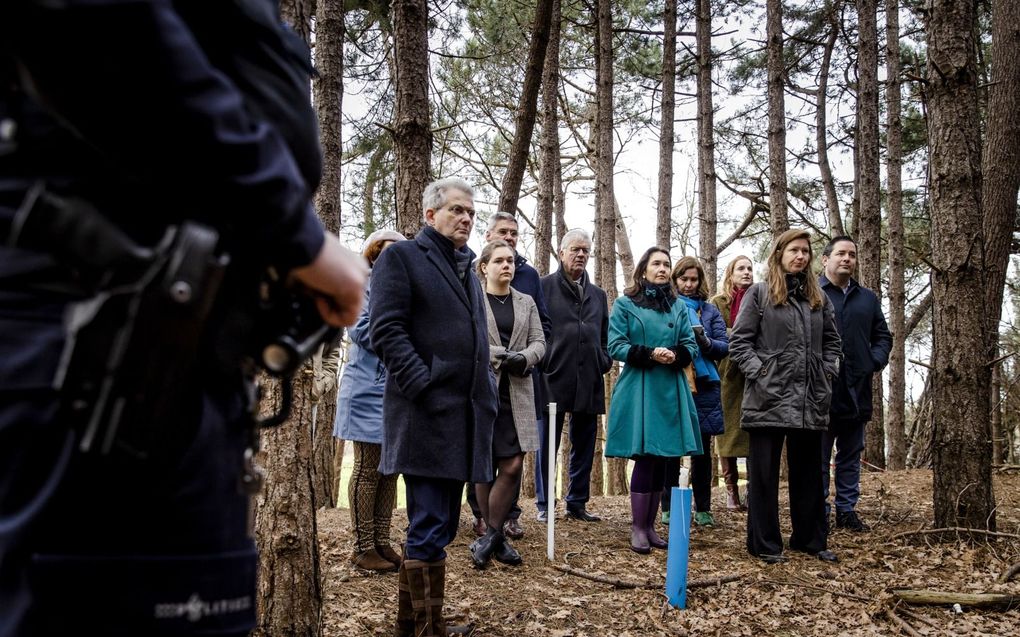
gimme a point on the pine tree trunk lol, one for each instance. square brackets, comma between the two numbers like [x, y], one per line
[895, 429]
[289, 596]
[869, 218]
[412, 135]
[1001, 159]
[605, 215]
[963, 492]
[324, 479]
[328, 90]
[527, 109]
[821, 126]
[706, 147]
[622, 243]
[605, 222]
[663, 219]
[549, 166]
[777, 117]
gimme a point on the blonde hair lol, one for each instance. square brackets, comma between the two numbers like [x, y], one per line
[726, 285]
[685, 264]
[775, 278]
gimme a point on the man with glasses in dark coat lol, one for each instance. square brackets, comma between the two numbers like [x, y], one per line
[575, 364]
[428, 323]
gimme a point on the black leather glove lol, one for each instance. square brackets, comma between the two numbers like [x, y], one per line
[704, 342]
[515, 363]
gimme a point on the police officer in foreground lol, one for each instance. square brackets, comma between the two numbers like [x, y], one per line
[138, 144]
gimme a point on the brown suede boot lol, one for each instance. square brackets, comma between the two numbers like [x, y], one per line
[371, 560]
[387, 553]
[731, 476]
[405, 613]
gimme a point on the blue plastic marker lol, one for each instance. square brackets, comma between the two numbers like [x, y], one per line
[679, 542]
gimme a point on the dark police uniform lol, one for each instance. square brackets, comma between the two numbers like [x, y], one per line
[133, 107]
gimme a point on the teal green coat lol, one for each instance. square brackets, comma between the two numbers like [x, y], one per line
[652, 411]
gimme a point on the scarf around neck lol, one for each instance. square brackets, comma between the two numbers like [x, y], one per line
[737, 296]
[704, 369]
[655, 296]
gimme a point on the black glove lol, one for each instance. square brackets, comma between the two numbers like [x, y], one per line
[514, 363]
[704, 342]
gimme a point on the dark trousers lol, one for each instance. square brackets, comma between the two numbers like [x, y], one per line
[134, 537]
[582, 453]
[807, 506]
[433, 513]
[701, 475]
[849, 441]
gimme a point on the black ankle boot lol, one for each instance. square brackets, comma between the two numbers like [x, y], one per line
[483, 548]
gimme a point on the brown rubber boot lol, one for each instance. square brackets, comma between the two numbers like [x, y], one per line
[371, 560]
[731, 477]
[405, 613]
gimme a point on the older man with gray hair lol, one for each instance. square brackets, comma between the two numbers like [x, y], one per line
[429, 329]
[574, 366]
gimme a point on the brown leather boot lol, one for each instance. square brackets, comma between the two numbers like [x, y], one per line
[731, 477]
[371, 560]
[387, 553]
[405, 612]
[427, 585]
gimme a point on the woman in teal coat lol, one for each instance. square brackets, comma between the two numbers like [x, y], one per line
[652, 414]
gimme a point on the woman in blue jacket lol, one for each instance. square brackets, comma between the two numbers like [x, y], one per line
[652, 416]
[713, 346]
[359, 413]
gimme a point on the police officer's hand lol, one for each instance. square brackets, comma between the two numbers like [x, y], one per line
[337, 276]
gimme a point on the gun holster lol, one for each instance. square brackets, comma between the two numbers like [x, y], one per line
[129, 372]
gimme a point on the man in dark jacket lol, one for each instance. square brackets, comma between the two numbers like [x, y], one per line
[429, 329]
[126, 115]
[575, 364]
[503, 225]
[866, 345]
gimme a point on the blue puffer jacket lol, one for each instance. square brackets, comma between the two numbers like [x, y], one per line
[708, 400]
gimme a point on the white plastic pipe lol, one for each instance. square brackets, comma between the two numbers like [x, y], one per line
[550, 484]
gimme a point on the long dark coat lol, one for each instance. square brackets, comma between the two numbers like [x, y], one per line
[578, 356]
[789, 354]
[866, 346]
[430, 331]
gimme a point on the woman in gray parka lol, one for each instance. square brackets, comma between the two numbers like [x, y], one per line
[785, 341]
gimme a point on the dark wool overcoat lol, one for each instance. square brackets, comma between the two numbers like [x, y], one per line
[430, 331]
[789, 354]
[578, 356]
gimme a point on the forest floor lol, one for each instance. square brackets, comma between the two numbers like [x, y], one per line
[802, 597]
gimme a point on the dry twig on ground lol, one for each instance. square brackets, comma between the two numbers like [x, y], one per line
[1009, 573]
[958, 530]
[901, 623]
